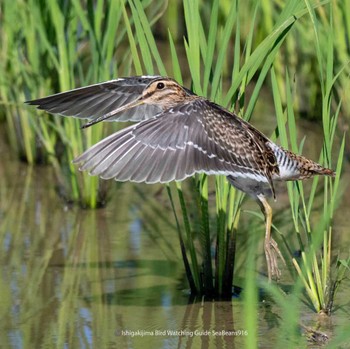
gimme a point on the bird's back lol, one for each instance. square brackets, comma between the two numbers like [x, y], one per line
[255, 151]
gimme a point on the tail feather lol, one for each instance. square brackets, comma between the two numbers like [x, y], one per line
[324, 171]
[294, 167]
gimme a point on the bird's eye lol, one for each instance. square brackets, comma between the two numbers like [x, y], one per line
[160, 85]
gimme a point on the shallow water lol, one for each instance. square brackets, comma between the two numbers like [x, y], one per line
[114, 277]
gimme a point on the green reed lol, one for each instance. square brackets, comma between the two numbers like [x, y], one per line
[51, 47]
[315, 266]
[212, 274]
[38, 59]
[210, 52]
[224, 55]
[52, 282]
[297, 53]
[206, 63]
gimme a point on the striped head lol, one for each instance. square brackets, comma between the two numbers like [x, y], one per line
[165, 92]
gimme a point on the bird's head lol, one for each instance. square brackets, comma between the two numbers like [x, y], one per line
[164, 92]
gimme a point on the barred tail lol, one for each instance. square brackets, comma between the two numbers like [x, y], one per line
[294, 167]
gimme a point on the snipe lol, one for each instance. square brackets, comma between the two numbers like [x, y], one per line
[178, 134]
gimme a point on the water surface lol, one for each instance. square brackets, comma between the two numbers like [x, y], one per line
[114, 277]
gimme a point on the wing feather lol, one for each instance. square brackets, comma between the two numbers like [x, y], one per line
[95, 101]
[171, 146]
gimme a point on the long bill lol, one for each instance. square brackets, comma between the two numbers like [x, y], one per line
[130, 105]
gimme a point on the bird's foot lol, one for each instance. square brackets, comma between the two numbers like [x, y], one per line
[272, 252]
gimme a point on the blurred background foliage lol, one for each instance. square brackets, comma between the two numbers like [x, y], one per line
[293, 55]
[52, 46]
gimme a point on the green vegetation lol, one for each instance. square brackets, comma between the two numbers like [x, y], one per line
[54, 46]
[231, 50]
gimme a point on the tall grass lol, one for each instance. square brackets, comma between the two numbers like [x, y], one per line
[316, 274]
[227, 200]
[224, 57]
[51, 47]
[211, 273]
[61, 45]
[204, 73]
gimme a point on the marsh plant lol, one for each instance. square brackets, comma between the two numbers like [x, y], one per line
[210, 271]
[230, 50]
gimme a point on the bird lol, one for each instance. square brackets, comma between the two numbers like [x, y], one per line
[176, 134]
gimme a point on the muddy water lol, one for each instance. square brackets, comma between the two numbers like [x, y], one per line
[113, 278]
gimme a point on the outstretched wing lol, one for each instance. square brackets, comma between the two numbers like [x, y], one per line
[171, 146]
[95, 101]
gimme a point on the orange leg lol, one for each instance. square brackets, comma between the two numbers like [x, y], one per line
[271, 247]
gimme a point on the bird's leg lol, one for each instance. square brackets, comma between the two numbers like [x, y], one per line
[271, 247]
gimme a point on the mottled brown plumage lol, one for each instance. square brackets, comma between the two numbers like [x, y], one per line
[177, 135]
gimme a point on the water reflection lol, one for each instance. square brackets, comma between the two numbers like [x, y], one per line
[77, 278]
